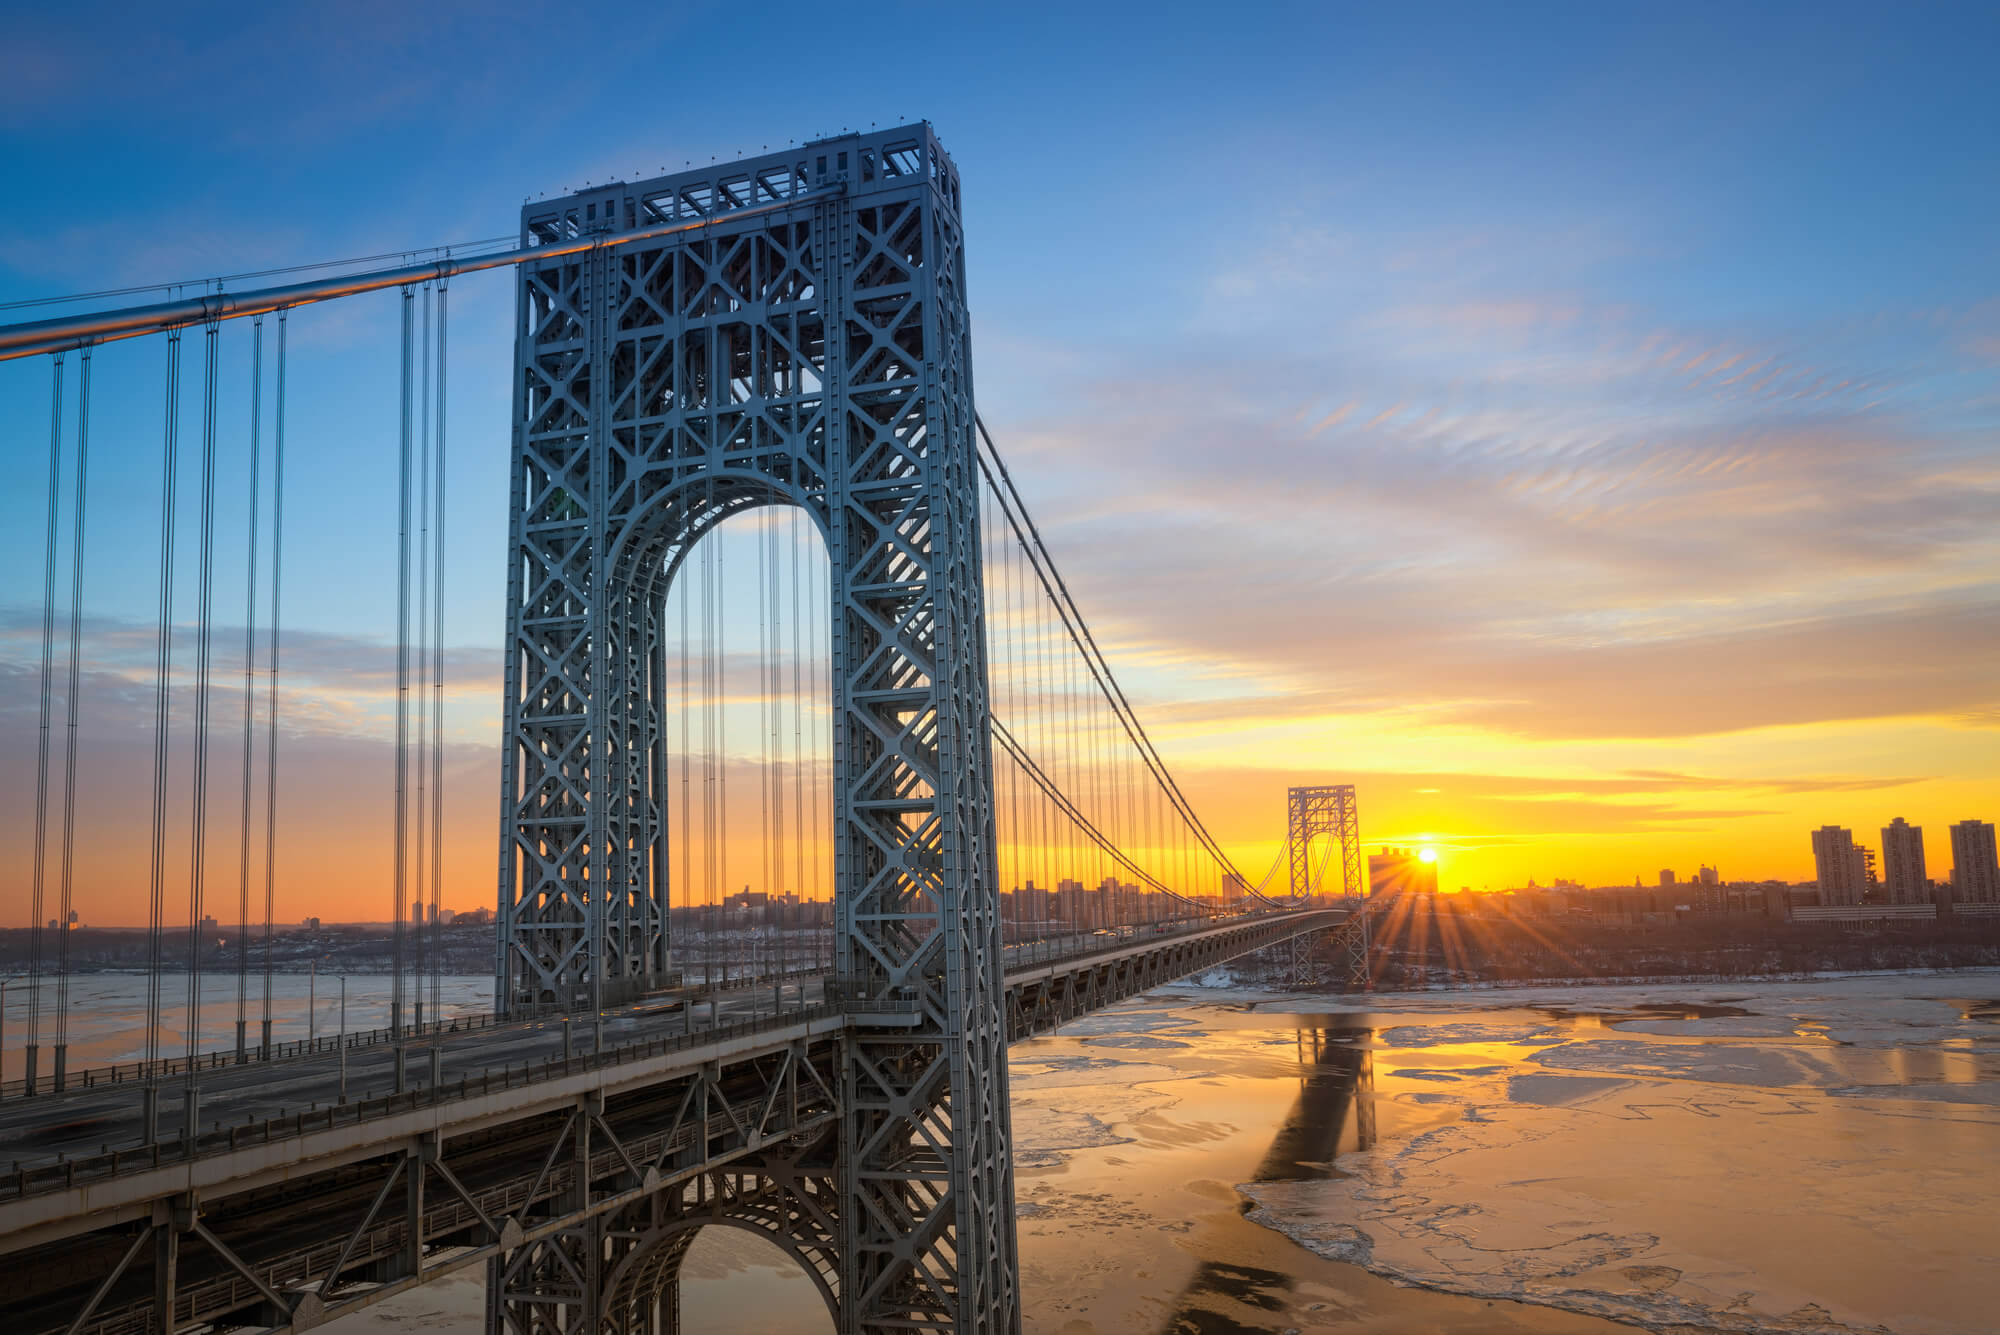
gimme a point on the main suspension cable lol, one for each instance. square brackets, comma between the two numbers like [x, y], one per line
[1080, 635]
[1083, 823]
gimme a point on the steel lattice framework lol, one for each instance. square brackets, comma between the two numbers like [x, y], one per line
[1328, 809]
[814, 353]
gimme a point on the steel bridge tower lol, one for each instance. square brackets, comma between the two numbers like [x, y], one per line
[795, 335]
[1330, 809]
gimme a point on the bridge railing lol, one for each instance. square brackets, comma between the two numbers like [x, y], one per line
[1076, 945]
[324, 1045]
[67, 1172]
[122, 1073]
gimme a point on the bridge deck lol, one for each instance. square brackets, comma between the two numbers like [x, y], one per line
[502, 1096]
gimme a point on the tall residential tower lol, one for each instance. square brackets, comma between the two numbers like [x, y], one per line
[1903, 863]
[1842, 876]
[1975, 872]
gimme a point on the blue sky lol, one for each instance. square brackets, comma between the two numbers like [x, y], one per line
[1529, 393]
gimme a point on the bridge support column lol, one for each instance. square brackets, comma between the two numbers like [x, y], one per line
[1351, 942]
[170, 1220]
[1305, 970]
[811, 351]
[413, 1206]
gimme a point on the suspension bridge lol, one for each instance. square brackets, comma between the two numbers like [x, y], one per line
[742, 414]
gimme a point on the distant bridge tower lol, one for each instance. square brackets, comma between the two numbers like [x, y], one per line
[1330, 809]
[795, 334]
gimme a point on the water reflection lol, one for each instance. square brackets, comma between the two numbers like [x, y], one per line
[1333, 1115]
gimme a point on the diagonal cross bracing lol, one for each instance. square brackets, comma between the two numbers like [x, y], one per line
[815, 354]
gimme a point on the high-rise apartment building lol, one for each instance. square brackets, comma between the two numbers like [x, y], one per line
[1709, 876]
[1843, 876]
[1667, 877]
[1903, 863]
[1975, 871]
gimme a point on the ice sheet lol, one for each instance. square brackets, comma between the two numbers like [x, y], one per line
[1819, 1166]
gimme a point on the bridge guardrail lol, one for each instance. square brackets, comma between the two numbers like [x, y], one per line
[92, 1077]
[69, 1172]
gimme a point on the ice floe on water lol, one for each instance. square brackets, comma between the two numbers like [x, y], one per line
[1063, 1072]
[1443, 1035]
[1556, 1090]
[1811, 1158]
[1137, 1041]
[1713, 1026]
[1730, 1064]
[1119, 1021]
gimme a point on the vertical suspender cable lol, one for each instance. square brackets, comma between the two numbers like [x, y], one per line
[271, 723]
[799, 885]
[401, 838]
[763, 710]
[198, 837]
[686, 831]
[421, 848]
[249, 691]
[437, 681]
[42, 737]
[70, 715]
[777, 740]
[821, 599]
[162, 701]
[773, 743]
[722, 737]
[708, 826]
[1023, 903]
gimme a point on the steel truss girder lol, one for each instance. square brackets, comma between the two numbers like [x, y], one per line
[1329, 809]
[1078, 988]
[492, 1189]
[518, 1197]
[815, 355]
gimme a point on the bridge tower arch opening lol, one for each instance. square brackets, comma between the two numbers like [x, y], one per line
[730, 605]
[642, 1290]
[787, 328]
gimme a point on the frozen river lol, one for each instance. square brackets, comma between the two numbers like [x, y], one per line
[1811, 1158]
[1789, 1157]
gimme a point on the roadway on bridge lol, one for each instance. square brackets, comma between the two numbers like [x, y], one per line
[89, 1120]
[94, 1119]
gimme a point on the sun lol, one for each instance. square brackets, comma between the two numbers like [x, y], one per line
[1428, 854]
